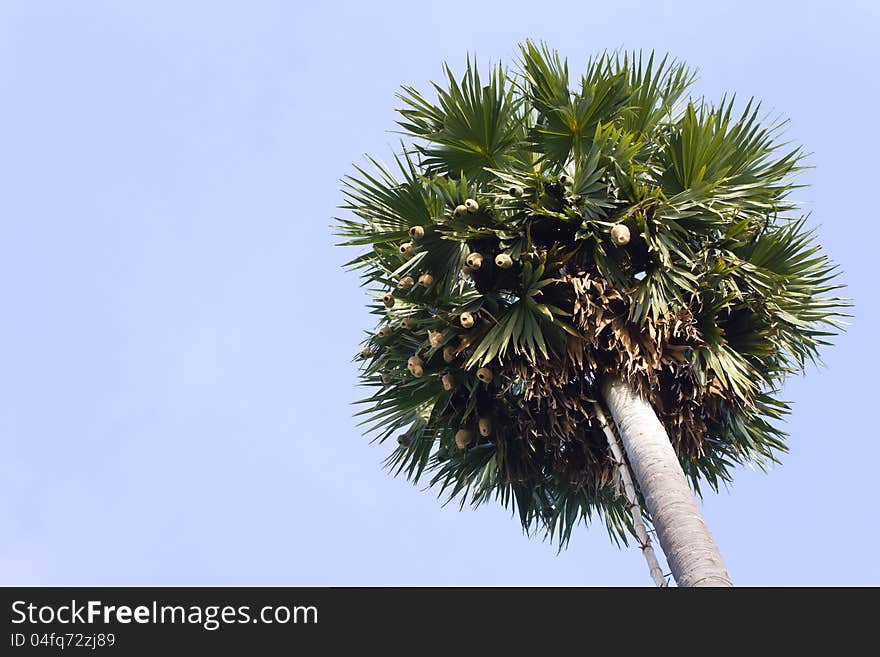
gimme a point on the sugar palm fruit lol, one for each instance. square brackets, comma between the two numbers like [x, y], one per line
[463, 438]
[504, 261]
[620, 235]
[426, 280]
[515, 191]
[388, 300]
[485, 426]
[408, 323]
[403, 440]
[417, 232]
[406, 282]
[406, 249]
[435, 338]
[475, 260]
[448, 381]
[471, 205]
[466, 319]
[384, 332]
[460, 211]
[415, 366]
[448, 353]
[484, 374]
[566, 181]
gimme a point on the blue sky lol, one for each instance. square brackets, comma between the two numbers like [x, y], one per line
[176, 332]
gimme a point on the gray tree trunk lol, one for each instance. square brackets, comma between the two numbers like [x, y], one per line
[629, 490]
[690, 550]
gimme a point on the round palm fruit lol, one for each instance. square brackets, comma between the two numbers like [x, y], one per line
[418, 371]
[471, 205]
[403, 440]
[463, 438]
[566, 181]
[484, 374]
[417, 232]
[406, 282]
[504, 261]
[485, 426]
[406, 249]
[366, 352]
[407, 323]
[388, 300]
[467, 270]
[448, 353]
[448, 381]
[384, 332]
[475, 260]
[435, 338]
[620, 235]
[460, 211]
[414, 361]
[386, 379]
[515, 191]
[426, 280]
[466, 319]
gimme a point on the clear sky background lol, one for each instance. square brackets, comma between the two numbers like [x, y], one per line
[176, 332]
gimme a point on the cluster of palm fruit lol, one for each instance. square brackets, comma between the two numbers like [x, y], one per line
[538, 239]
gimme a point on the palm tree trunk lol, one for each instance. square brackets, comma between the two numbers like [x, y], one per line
[690, 550]
[632, 498]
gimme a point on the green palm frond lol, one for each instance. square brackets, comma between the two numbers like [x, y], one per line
[472, 126]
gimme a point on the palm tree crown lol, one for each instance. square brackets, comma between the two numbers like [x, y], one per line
[533, 238]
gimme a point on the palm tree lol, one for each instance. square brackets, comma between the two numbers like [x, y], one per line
[586, 298]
